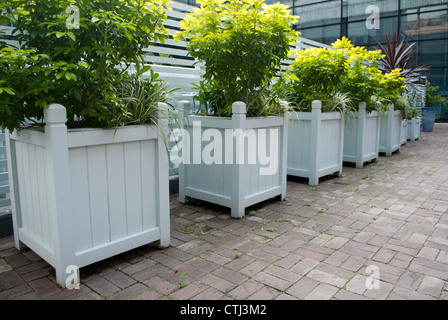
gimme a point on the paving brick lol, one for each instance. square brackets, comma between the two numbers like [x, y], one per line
[272, 281]
[302, 287]
[161, 285]
[216, 282]
[265, 293]
[209, 294]
[45, 287]
[15, 292]
[304, 266]
[322, 292]
[230, 275]
[245, 290]
[120, 279]
[189, 291]
[10, 279]
[102, 286]
[431, 286]
[284, 274]
[129, 292]
[254, 267]
[326, 277]
[197, 267]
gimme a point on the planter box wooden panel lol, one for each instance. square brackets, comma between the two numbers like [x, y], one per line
[81, 196]
[404, 132]
[414, 129]
[315, 144]
[362, 137]
[228, 180]
[391, 128]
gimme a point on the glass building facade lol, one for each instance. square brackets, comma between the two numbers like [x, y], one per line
[366, 21]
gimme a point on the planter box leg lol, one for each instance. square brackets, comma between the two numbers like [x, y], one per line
[59, 191]
[184, 111]
[316, 111]
[361, 133]
[238, 122]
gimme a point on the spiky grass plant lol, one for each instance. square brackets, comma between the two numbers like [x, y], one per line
[399, 54]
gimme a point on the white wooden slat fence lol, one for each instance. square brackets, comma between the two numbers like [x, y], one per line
[5, 201]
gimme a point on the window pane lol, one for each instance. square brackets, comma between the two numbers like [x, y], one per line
[318, 14]
[430, 25]
[433, 53]
[357, 9]
[412, 6]
[326, 35]
[362, 36]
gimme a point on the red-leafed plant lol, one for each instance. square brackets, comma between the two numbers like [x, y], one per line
[400, 54]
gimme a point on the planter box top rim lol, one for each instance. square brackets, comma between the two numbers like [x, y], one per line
[84, 129]
[229, 118]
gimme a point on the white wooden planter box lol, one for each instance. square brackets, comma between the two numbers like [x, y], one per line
[391, 128]
[362, 137]
[235, 179]
[404, 132]
[315, 144]
[414, 129]
[80, 196]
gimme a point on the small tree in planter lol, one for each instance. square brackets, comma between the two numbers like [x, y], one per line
[375, 92]
[316, 127]
[342, 79]
[242, 44]
[100, 187]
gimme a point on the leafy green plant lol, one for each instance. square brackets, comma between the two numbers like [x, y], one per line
[365, 81]
[79, 68]
[432, 98]
[341, 78]
[139, 100]
[242, 43]
[315, 74]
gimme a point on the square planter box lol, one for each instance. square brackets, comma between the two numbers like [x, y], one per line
[391, 128]
[234, 162]
[404, 131]
[81, 196]
[414, 129]
[315, 144]
[362, 137]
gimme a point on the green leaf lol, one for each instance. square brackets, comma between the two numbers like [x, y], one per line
[71, 35]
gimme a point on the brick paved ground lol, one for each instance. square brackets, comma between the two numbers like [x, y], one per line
[321, 243]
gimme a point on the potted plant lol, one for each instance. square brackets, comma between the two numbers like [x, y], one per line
[399, 54]
[87, 158]
[311, 85]
[429, 113]
[238, 146]
[415, 99]
[373, 92]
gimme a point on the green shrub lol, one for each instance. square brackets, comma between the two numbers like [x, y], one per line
[242, 43]
[341, 78]
[78, 68]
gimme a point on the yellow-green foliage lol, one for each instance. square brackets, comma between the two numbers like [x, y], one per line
[322, 74]
[242, 43]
